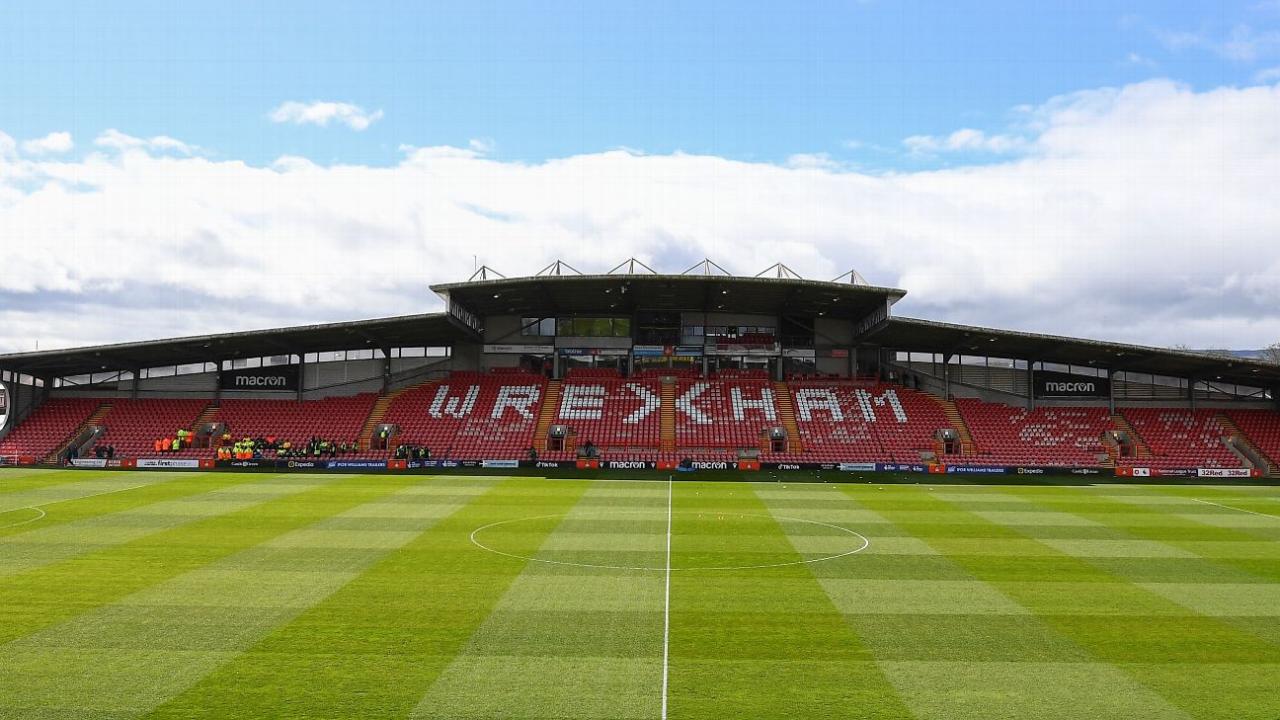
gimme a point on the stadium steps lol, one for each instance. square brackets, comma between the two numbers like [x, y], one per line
[1238, 436]
[208, 415]
[95, 419]
[1112, 447]
[1140, 447]
[787, 414]
[668, 413]
[378, 413]
[547, 416]
[967, 446]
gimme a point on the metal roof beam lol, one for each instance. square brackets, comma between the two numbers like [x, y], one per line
[630, 264]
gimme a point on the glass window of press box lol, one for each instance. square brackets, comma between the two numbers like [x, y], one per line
[593, 327]
[538, 327]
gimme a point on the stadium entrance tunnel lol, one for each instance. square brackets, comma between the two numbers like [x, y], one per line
[705, 540]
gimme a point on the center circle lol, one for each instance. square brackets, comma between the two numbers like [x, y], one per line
[857, 541]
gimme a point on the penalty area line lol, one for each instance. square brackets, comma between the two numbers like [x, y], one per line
[43, 514]
[1251, 512]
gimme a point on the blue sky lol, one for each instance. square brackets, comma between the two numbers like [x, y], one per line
[743, 80]
[1098, 169]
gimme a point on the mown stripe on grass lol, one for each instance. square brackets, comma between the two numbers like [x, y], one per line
[14, 480]
[952, 645]
[570, 641]
[1115, 621]
[126, 658]
[96, 500]
[85, 486]
[51, 594]
[1139, 530]
[92, 524]
[1241, 592]
[373, 648]
[764, 642]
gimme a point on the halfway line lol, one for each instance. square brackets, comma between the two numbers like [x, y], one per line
[666, 609]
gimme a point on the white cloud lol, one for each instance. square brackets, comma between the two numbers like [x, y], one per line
[964, 140]
[1242, 43]
[1144, 213]
[1268, 75]
[815, 161]
[1138, 60]
[115, 140]
[482, 146]
[322, 113]
[54, 142]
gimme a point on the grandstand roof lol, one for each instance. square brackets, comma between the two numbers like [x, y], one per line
[431, 329]
[622, 294]
[550, 295]
[911, 334]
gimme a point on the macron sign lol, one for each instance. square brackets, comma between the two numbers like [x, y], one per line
[1052, 384]
[283, 378]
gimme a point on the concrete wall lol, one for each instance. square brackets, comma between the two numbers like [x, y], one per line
[832, 366]
[505, 329]
[828, 332]
[466, 356]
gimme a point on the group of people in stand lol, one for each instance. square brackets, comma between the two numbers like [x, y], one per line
[320, 447]
[180, 440]
[412, 452]
[250, 448]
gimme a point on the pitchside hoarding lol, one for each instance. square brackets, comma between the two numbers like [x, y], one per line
[281, 378]
[1053, 384]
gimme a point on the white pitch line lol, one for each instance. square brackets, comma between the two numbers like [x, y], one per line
[666, 612]
[42, 514]
[1251, 512]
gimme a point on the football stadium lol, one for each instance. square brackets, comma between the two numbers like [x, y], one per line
[639, 494]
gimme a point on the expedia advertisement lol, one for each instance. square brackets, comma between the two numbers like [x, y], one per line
[1053, 384]
[282, 378]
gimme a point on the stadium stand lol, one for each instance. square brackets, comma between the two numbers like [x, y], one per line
[338, 419]
[869, 422]
[1180, 438]
[616, 415]
[1006, 435]
[688, 373]
[1262, 429]
[831, 425]
[504, 420]
[723, 413]
[48, 427]
[471, 416]
[133, 426]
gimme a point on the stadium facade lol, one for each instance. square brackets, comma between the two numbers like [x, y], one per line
[635, 368]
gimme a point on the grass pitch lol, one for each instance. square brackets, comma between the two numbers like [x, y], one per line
[126, 595]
